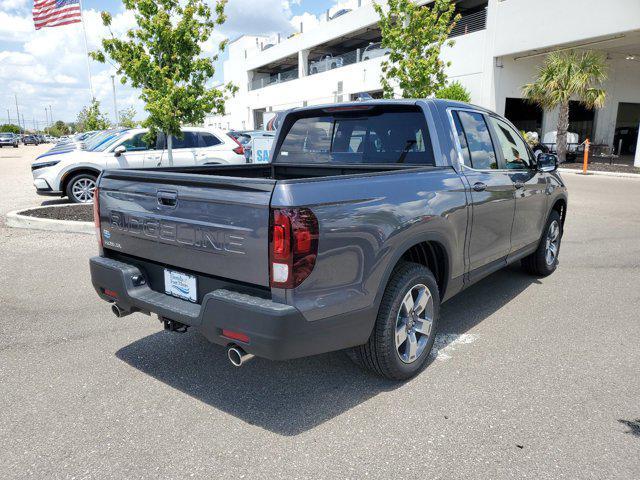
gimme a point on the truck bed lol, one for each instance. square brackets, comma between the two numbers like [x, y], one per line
[282, 171]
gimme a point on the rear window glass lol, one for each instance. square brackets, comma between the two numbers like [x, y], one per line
[359, 137]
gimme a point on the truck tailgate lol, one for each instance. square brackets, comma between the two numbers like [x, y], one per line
[209, 224]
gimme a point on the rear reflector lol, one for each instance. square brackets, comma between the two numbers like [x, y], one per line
[110, 293]
[241, 337]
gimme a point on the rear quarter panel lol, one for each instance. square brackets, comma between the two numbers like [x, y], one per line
[366, 223]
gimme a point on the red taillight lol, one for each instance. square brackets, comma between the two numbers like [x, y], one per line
[239, 149]
[294, 246]
[241, 337]
[96, 215]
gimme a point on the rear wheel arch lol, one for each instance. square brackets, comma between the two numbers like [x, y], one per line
[430, 251]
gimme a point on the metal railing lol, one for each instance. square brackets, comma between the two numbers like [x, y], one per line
[274, 79]
[472, 22]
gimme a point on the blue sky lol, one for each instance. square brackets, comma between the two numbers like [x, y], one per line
[48, 66]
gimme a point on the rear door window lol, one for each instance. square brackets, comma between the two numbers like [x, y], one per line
[475, 135]
[207, 140]
[188, 140]
[370, 136]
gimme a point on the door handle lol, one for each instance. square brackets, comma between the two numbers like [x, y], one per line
[519, 185]
[479, 187]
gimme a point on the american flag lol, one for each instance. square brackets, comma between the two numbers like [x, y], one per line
[54, 13]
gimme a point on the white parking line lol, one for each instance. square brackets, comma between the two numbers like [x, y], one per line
[446, 343]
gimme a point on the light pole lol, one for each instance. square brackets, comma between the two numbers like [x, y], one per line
[115, 103]
[18, 112]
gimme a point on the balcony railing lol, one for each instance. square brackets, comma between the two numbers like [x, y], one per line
[469, 23]
[274, 79]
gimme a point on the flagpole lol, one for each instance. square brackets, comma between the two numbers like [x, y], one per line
[86, 49]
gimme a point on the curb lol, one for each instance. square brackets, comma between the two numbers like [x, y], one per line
[17, 220]
[635, 176]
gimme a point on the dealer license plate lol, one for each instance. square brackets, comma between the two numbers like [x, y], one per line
[181, 285]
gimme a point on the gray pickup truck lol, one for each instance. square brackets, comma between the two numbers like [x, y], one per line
[370, 215]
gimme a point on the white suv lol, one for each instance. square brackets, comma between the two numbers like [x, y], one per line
[73, 173]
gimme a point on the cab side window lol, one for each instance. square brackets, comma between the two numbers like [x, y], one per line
[477, 139]
[514, 149]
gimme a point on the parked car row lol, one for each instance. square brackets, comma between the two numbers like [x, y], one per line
[8, 139]
[71, 168]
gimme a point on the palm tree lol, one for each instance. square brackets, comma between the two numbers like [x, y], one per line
[565, 76]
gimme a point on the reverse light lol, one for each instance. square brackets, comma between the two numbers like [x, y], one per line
[293, 246]
[96, 215]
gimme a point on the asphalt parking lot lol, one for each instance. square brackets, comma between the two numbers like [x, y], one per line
[532, 378]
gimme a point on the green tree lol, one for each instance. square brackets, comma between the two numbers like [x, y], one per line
[414, 35]
[91, 118]
[59, 129]
[126, 119]
[565, 76]
[9, 128]
[163, 57]
[454, 91]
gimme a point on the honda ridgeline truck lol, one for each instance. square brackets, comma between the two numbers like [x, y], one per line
[370, 215]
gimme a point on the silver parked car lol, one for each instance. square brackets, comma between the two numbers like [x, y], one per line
[374, 50]
[8, 140]
[328, 62]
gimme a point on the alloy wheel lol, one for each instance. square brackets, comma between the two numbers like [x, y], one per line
[414, 323]
[82, 190]
[552, 243]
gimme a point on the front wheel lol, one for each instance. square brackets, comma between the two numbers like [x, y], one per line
[405, 328]
[544, 261]
[81, 187]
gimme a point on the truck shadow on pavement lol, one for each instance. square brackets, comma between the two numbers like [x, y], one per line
[289, 398]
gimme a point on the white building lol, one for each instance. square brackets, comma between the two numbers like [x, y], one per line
[498, 46]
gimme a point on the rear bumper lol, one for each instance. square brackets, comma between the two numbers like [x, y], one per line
[276, 331]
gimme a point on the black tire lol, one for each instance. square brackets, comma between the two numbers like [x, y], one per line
[15, 146]
[81, 177]
[380, 354]
[538, 262]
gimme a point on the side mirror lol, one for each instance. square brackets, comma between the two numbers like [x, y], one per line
[119, 150]
[547, 162]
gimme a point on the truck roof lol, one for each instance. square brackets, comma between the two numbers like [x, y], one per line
[399, 101]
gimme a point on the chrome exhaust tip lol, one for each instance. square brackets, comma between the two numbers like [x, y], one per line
[119, 311]
[237, 356]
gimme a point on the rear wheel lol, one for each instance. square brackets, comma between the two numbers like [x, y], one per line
[405, 328]
[544, 260]
[81, 187]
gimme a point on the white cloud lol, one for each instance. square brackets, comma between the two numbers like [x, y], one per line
[256, 17]
[14, 27]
